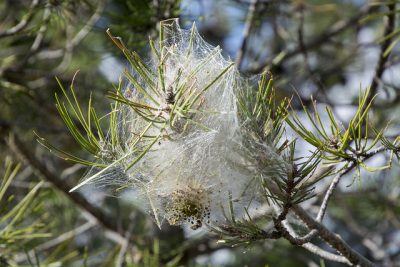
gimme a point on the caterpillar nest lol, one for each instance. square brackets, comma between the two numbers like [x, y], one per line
[183, 147]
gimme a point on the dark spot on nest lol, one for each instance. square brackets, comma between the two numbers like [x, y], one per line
[170, 96]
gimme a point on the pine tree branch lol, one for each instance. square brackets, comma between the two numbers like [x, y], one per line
[315, 249]
[334, 240]
[284, 229]
[317, 228]
[325, 254]
[329, 193]
[20, 150]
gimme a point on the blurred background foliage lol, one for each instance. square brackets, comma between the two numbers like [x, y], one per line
[328, 49]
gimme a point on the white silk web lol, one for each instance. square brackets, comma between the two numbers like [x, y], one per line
[198, 168]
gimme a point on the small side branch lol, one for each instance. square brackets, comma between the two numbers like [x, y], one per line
[325, 254]
[330, 190]
[383, 56]
[315, 249]
[334, 240]
[246, 32]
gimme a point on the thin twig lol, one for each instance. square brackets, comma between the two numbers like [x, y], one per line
[65, 236]
[77, 39]
[327, 35]
[311, 73]
[38, 39]
[325, 254]
[315, 249]
[23, 23]
[291, 236]
[89, 25]
[125, 245]
[336, 179]
[42, 30]
[246, 32]
[288, 233]
[334, 240]
[316, 226]
[380, 67]
[329, 192]
[56, 241]
[376, 250]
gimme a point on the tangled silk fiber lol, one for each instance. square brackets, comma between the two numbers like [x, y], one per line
[193, 158]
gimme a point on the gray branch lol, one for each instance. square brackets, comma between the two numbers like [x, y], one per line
[23, 23]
